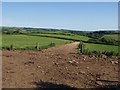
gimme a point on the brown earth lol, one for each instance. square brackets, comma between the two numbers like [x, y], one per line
[57, 67]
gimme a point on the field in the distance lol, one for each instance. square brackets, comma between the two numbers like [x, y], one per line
[23, 41]
[111, 37]
[65, 36]
[30, 41]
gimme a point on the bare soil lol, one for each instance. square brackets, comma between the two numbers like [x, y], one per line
[57, 67]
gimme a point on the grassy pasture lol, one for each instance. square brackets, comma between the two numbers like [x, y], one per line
[111, 37]
[23, 41]
[67, 36]
[101, 48]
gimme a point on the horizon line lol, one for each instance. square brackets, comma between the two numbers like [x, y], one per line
[63, 28]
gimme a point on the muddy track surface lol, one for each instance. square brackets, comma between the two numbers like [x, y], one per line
[57, 67]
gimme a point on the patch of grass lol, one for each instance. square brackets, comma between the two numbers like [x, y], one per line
[30, 42]
[111, 37]
[30, 48]
[99, 49]
[65, 36]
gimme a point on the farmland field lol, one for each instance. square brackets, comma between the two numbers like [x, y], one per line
[73, 37]
[23, 41]
[111, 37]
[100, 47]
[25, 68]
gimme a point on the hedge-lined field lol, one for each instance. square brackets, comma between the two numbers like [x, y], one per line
[101, 48]
[25, 41]
[111, 37]
[44, 41]
[67, 36]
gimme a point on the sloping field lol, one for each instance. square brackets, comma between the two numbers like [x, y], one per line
[23, 41]
[111, 37]
[71, 37]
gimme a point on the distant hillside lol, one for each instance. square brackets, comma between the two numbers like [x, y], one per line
[111, 37]
[92, 34]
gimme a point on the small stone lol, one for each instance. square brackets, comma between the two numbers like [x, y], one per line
[42, 71]
[82, 72]
[87, 67]
[68, 58]
[77, 62]
[26, 65]
[112, 62]
[38, 66]
[66, 68]
[116, 62]
[99, 83]
[104, 56]
[55, 63]
[73, 60]
[59, 57]
[70, 62]
[10, 72]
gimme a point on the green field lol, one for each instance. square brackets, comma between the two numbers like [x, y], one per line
[32, 40]
[111, 37]
[72, 37]
[23, 41]
[101, 48]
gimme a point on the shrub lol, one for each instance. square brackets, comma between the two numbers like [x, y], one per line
[5, 48]
[8, 48]
[51, 44]
[11, 47]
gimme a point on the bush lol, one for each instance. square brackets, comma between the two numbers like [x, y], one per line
[103, 41]
[5, 48]
[11, 47]
[51, 44]
[8, 48]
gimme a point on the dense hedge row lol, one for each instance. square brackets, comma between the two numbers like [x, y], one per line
[104, 41]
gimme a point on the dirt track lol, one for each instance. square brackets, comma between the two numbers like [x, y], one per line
[56, 66]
